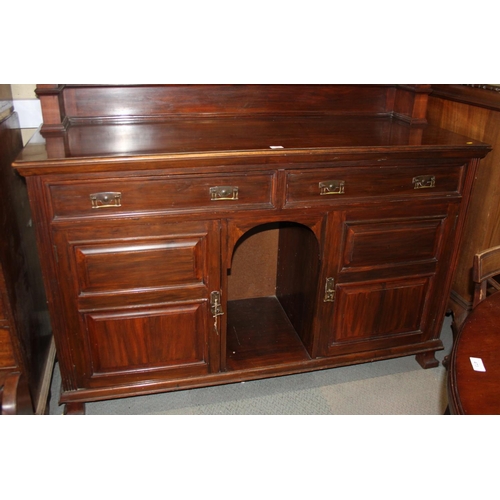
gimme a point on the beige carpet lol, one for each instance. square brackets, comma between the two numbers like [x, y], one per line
[391, 387]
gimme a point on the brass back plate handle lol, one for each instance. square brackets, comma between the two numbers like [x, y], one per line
[106, 200]
[424, 181]
[331, 187]
[219, 193]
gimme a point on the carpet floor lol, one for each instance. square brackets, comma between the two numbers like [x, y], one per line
[390, 387]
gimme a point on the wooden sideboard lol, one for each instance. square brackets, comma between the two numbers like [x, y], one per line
[194, 235]
[26, 351]
[472, 110]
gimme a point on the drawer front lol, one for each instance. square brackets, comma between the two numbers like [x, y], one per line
[115, 196]
[333, 185]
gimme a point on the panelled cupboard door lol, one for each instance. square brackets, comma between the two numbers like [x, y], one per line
[384, 270]
[137, 300]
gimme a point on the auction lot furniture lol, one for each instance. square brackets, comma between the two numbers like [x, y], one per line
[194, 235]
[26, 352]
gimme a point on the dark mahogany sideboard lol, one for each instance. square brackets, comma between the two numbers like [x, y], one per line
[194, 235]
[26, 351]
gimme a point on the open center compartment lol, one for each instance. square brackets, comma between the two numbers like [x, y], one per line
[272, 288]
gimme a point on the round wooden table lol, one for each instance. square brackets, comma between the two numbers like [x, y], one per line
[470, 390]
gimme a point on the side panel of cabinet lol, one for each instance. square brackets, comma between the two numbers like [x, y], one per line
[136, 299]
[388, 268]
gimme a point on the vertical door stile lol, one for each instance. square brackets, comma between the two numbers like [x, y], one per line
[216, 284]
[226, 254]
[331, 254]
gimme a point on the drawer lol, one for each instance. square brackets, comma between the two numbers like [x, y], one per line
[115, 195]
[330, 185]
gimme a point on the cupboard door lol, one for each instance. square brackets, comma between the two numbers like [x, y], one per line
[136, 299]
[385, 276]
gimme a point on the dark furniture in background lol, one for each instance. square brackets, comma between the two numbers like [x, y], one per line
[472, 110]
[486, 274]
[474, 386]
[26, 351]
[196, 235]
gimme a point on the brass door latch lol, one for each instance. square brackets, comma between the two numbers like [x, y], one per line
[216, 308]
[329, 290]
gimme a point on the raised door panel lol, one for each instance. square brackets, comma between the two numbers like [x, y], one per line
[137, 293]
[387, 268]
[369, 313]
[143, 263]
[166, 341]
[374, 244]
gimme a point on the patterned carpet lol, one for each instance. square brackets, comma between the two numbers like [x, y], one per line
[391, 387]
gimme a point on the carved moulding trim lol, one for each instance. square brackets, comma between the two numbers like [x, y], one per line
[482, 95]
[494, 88]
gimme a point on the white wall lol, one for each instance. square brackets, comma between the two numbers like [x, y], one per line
[28, 108]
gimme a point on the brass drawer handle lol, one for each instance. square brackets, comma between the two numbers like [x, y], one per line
[424, 182]
[106, 200]
[331, 187]
[219, 193]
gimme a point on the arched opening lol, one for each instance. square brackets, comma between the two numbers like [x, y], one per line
[272, 287]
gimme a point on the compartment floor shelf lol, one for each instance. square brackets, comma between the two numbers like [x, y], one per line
[260, 334]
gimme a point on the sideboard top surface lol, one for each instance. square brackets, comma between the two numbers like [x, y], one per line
[136, 126]
[237, 136]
